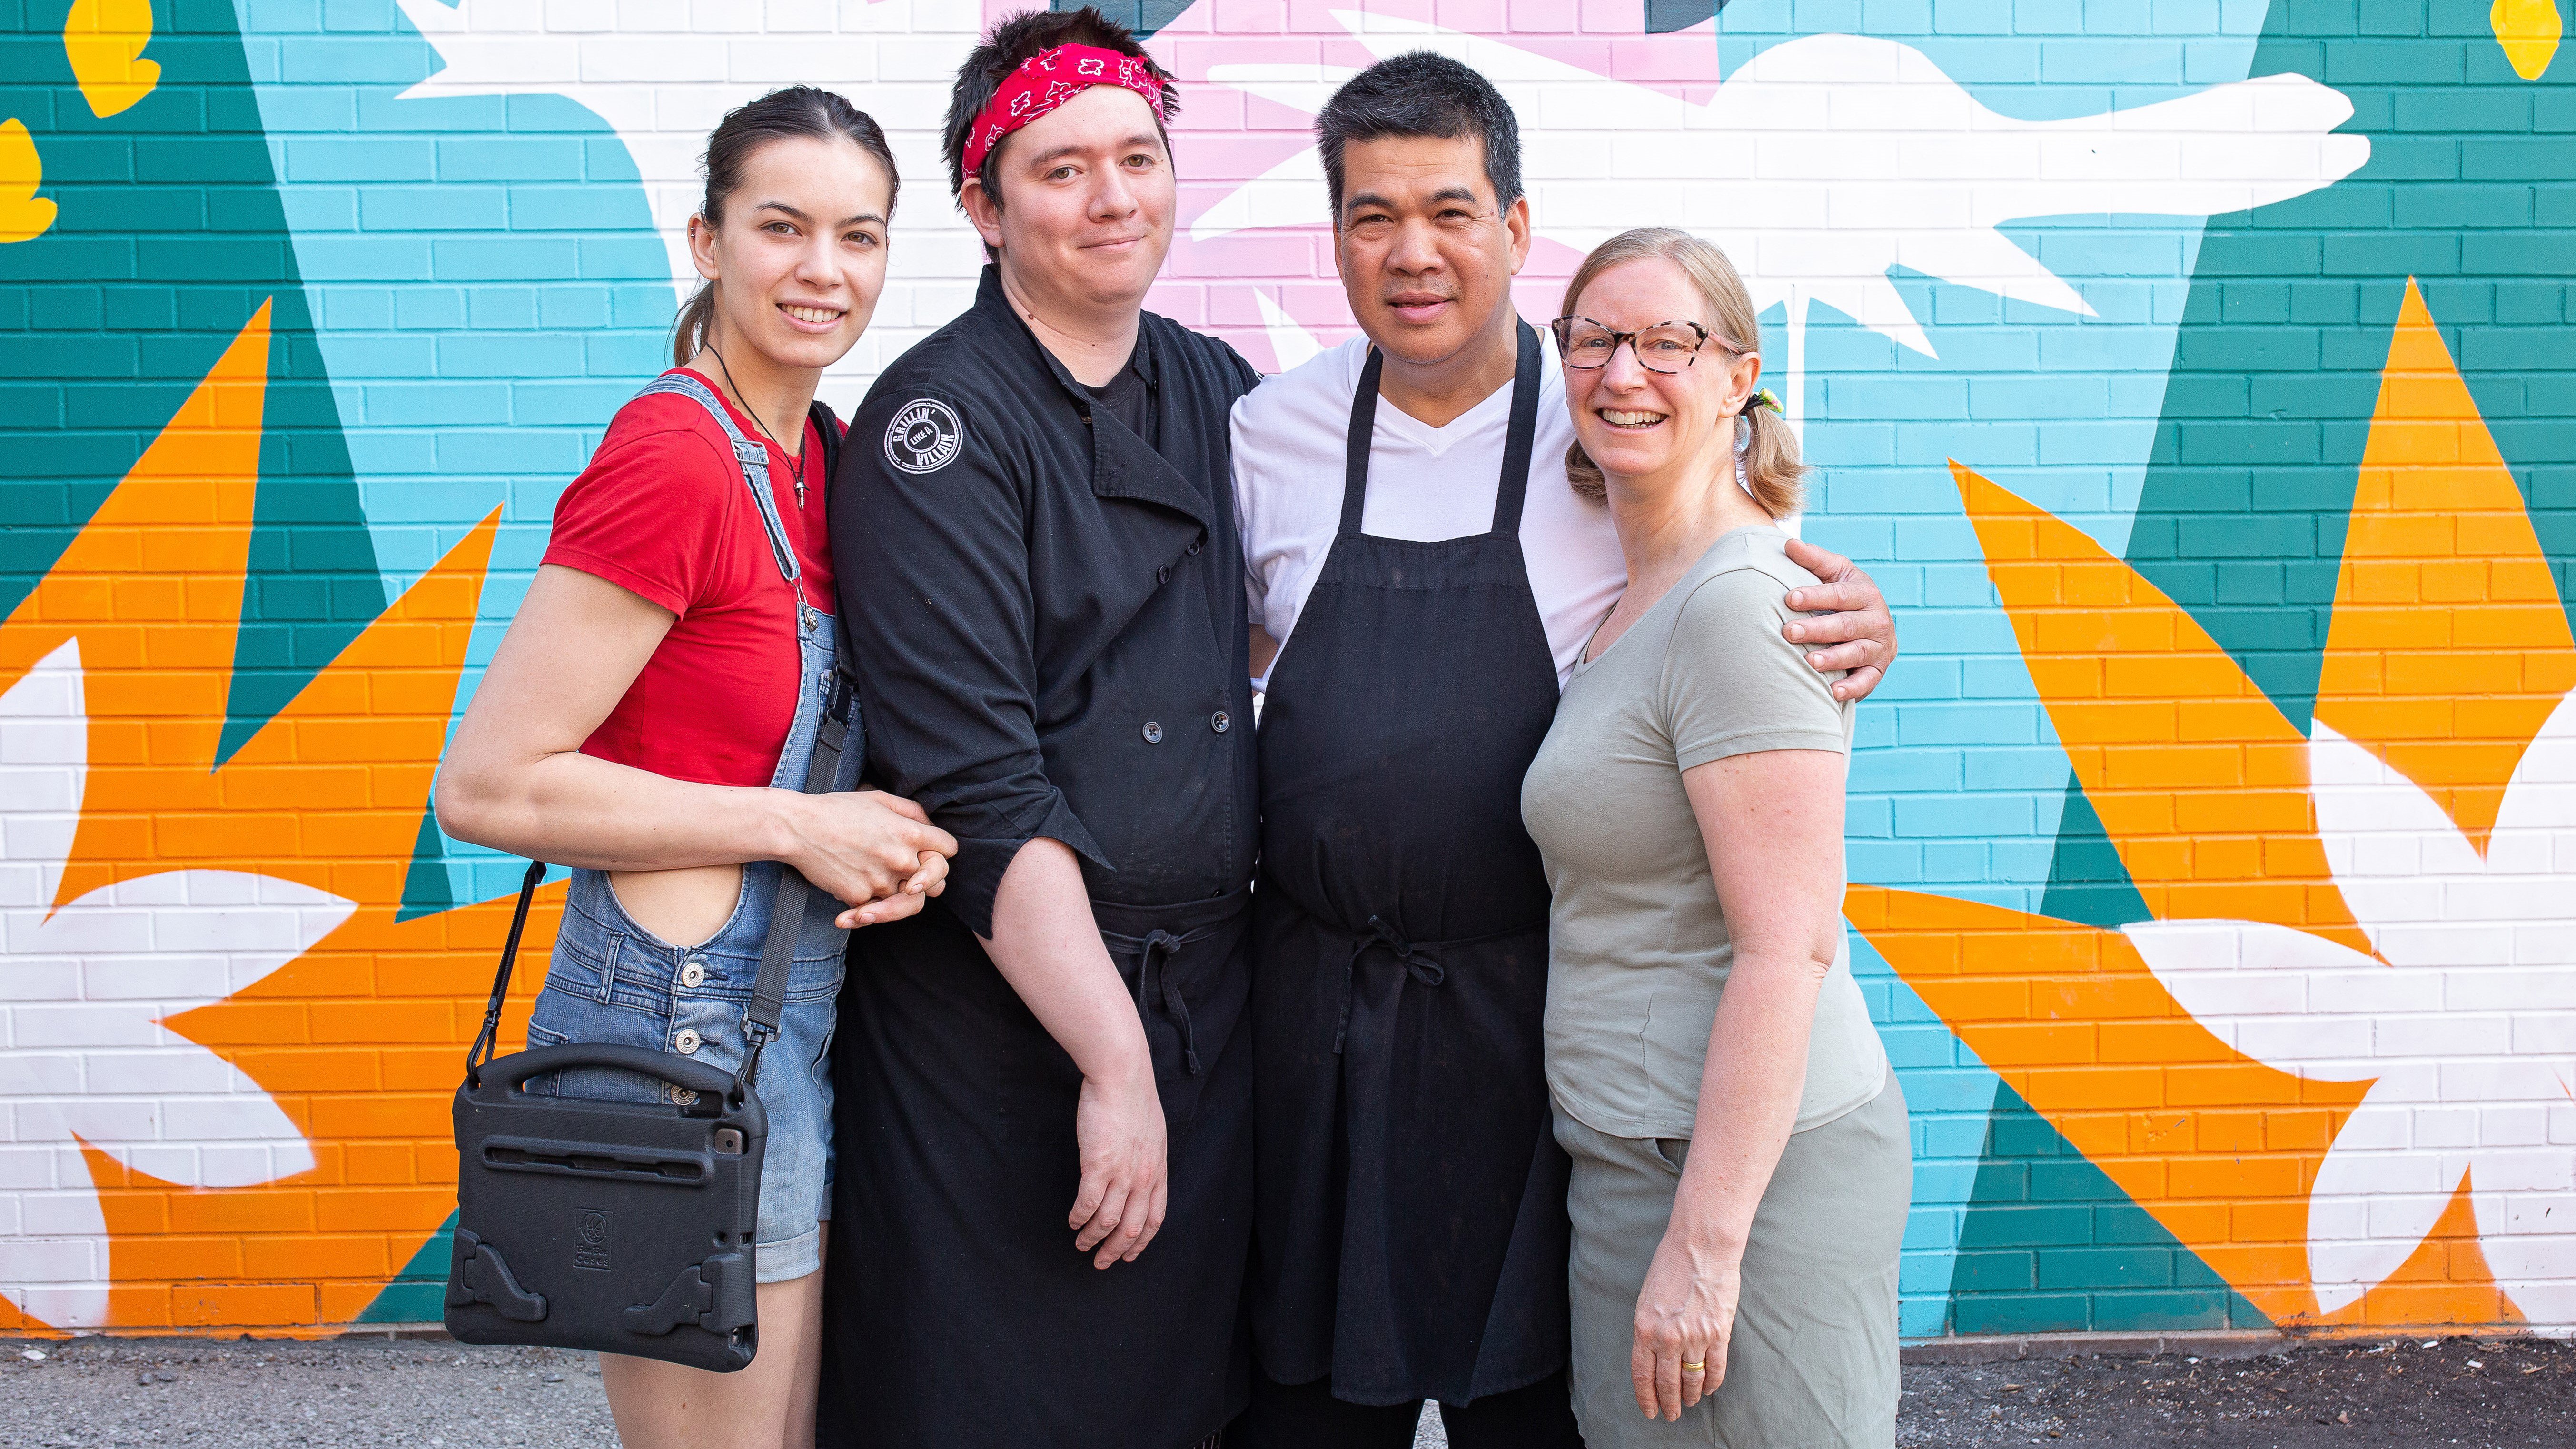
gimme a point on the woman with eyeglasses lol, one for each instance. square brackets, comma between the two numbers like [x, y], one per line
[1741, 1164]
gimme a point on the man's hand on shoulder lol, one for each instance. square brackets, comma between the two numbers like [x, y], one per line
[1852, 630]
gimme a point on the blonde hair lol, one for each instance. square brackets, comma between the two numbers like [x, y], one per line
[1772, 472]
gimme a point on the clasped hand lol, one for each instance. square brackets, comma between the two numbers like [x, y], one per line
[877, 854]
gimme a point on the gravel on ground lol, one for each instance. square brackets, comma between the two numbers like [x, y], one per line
[365, 1392]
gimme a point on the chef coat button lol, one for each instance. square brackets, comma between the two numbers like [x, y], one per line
[1153, 733]
[693, 974]
[1221, 721]
[686, 1041]
[1197, 543]
[1163, 575]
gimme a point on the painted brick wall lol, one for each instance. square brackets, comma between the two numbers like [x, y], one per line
[2107, 358]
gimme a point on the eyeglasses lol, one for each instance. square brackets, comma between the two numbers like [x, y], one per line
[1664, 347]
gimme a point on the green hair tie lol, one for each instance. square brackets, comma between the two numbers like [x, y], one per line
[1764, 398]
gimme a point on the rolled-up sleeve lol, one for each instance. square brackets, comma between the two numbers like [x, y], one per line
[933, 573]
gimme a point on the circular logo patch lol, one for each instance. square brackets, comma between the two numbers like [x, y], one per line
[924, 436]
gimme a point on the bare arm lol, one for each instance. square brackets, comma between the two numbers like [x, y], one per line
[1859, 634]
[516, 780]
[1048, 947]
[1773, 825]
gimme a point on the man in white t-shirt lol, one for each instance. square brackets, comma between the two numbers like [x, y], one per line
[1410, 1239]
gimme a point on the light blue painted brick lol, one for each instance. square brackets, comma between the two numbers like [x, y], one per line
[1963, 815]
[361, 258]
[2195, 19]
[331, 61]
[1923, 1272]
[560, 208]
[368, 17]
[369, 158]
[443, 404]
[2103, 61]
[2047, 17]
[1952, 860]
[501, 308]
[391, 354]
[621, 259]
[572, 305]
[1923, 1317]
[515, 450]
[311, 209]
[643, 305]
[2041, 767]
[427, 308]
[308, 108]
[1922, 770]
[1897, 17]
[470, 355]
[2037, 397]
[501, 258]
[1971, 17]
[1959, 1137]
[434, 208]
[508, 158]
[283, 17]
[1951, 1180]
[1917, 1046]
[591, 403]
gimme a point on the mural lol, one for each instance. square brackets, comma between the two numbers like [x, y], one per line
[2195, 378]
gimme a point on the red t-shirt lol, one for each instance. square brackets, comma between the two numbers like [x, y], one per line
[662, 510]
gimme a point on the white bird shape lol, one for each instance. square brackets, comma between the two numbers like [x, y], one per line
[2467, 1034]
[84, 989]
[1829, 159]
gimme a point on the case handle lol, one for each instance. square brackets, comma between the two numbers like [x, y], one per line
[704, 1078]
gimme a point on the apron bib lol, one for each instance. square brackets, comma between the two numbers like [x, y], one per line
[1412, 1233]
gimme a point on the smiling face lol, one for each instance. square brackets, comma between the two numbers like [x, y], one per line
[1636, 422]
[1426, 256]
[1087, 198]
[800, 257]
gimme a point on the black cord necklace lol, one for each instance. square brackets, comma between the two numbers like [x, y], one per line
[757, 423]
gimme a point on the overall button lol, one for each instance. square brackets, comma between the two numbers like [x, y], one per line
[1153, 733]
[683, 1097]
[687, 1041]
[693, 974]
[1220, 721]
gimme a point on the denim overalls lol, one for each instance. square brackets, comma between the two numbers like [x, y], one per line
[611, 980]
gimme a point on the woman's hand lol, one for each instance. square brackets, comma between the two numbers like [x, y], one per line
[1854, 621]
[1685, 1316]
[1118, 1207]
[875, 853]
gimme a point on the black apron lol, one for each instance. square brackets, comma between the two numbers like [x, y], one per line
[1411, 1234]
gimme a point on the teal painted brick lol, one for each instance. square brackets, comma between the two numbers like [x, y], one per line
[502, 258]
[1985, 1313]
[2416, 252]
[168, 158]
[2012, 1225]
[1991, 1272]
[101, 355]
[2105, 1268]
[2166, 1311]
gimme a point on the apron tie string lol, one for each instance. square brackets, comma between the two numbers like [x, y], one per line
[1153, 981]
[1418, 960]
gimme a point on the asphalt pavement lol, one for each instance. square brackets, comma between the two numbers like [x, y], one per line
[364, 1392]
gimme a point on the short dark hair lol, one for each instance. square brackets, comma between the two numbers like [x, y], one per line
[1426, 94]
[1008, 44]
[783, 114]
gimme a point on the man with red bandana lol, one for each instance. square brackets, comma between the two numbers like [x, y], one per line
[1045, 1198]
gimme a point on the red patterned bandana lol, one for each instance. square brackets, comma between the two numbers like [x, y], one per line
[1047, 80]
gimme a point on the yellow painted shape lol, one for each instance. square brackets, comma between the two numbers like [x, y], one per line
[2200, 783]
[2528, 30]
[2449, 647]
[104, 41]
[2214, 1145]
[24, 216]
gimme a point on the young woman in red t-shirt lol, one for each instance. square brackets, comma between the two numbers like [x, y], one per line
[650, 716]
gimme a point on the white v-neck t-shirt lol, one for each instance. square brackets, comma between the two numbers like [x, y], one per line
[1424, 484]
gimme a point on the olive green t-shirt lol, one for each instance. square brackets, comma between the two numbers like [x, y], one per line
[1638, 945]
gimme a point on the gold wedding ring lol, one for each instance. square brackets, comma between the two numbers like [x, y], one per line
[1695, 1368]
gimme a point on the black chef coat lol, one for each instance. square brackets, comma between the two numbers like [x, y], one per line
[1048, 621]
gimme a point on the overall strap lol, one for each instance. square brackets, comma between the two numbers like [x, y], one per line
[752, 457]
[1524, 431]
[787, 910]
[1355, 456]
